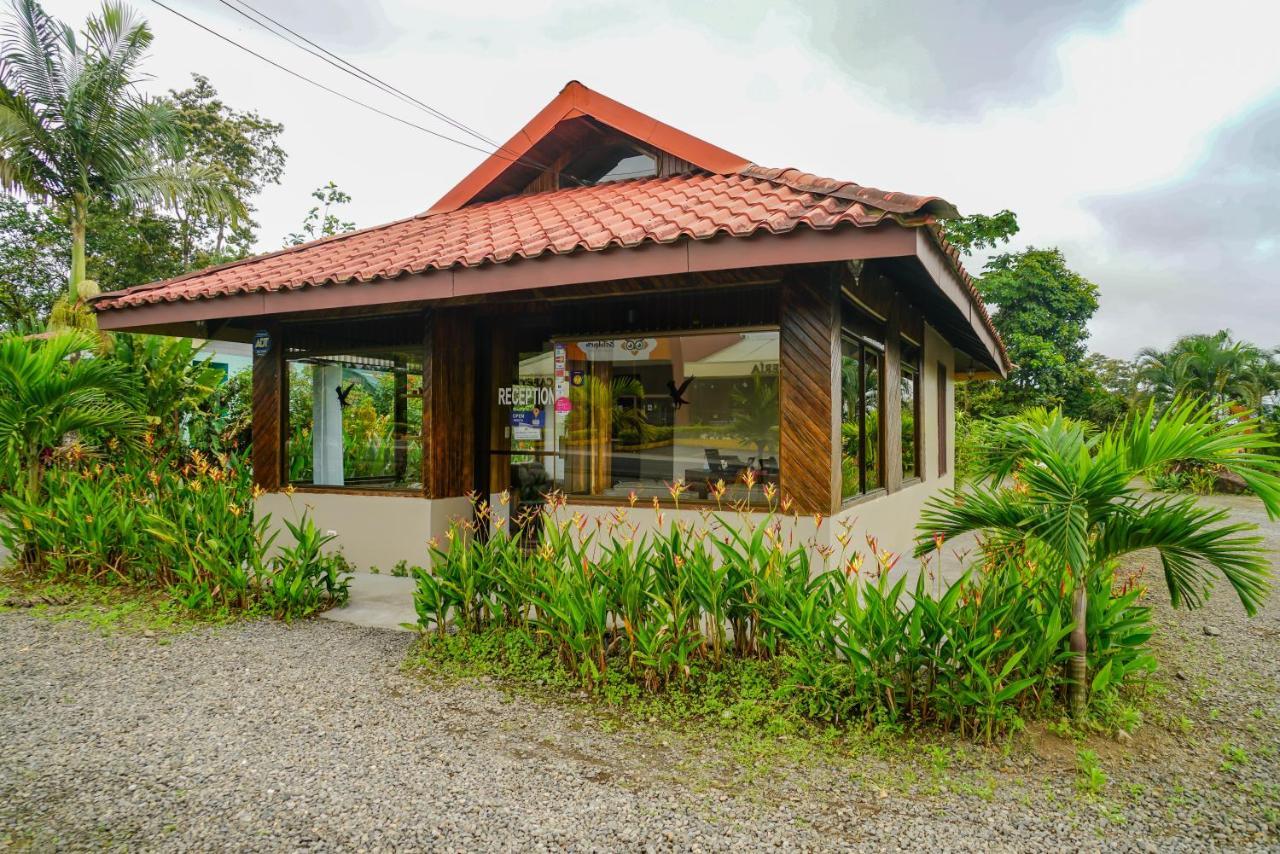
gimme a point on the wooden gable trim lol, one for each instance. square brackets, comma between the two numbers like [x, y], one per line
[577, 100]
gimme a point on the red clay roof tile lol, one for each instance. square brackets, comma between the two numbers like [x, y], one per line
[626, 213]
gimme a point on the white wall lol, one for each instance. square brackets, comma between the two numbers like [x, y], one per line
[372, 530]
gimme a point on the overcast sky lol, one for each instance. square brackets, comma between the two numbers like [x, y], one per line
[1143, 138]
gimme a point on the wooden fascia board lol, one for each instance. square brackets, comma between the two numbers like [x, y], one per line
[803, 246]
[944, 277]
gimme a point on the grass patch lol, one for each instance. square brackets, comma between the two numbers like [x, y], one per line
[105, 608]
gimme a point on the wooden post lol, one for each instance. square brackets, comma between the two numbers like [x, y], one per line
[448, 406]
[891, 398]
[809, 365]
[270, 417]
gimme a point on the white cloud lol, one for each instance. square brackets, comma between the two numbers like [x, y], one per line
[1128, 106]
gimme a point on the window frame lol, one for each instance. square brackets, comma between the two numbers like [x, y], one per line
[910, 360]
[864, 344]
[288, 333]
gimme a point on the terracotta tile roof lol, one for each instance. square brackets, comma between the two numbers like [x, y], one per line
[696, 206]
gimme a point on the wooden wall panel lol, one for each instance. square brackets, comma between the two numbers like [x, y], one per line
[269, 414]
[810, 374]
[449, 428]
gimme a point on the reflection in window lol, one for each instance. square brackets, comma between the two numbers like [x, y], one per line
[860, 419]
[636, 414]
[355, 412]
[620, 161]
[909, 393]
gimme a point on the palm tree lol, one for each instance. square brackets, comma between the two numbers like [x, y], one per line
[1216, 367]
[755, 413]
[74, 129]
[47, 393]
[1045, 482]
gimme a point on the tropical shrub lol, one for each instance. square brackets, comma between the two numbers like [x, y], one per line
[1068, 497]
[303, 578]
[87, 492]
[848, 641]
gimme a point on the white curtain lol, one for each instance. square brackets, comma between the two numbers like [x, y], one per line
[326, 420]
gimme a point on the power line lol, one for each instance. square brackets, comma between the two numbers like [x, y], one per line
[343, 96]
[349, 68]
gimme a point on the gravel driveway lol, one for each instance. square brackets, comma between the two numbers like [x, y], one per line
[263, 736]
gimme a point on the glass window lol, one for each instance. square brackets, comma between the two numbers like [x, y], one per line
[909, 392]
[617, 162]
[860, 433]
[355, 406]
[633, 415]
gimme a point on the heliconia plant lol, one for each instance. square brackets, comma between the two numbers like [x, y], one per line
[857, 641]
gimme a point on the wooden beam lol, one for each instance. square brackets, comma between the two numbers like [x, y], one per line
[944, 277]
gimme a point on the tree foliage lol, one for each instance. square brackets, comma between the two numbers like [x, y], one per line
[1216, 367]
[243, 149]
[980, 231]
[1041, 308]
[322, 220]
[33, 263]
[75, 131]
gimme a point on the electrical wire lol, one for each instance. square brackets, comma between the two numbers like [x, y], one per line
[344, 96]
[348, 67]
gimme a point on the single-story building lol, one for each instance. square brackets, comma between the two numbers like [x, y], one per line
[603, 307]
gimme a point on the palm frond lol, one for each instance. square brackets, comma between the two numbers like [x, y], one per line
[1193, 542]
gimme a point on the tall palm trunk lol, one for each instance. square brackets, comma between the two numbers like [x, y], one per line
[79, 219]
[1078, 664]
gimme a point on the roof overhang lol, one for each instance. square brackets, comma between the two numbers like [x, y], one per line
[947, 301]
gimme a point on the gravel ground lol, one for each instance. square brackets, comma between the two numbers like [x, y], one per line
[263, 736]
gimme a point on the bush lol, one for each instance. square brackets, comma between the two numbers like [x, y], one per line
[849, 644]
[182, 526]
[86, 494]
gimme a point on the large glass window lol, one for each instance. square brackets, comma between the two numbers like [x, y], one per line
[910, 423]
[634, 415]
[355, 406]
[860, 421]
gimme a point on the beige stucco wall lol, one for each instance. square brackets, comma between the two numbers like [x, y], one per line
[372, 530]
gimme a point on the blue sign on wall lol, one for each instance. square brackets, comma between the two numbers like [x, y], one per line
[261, 342]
